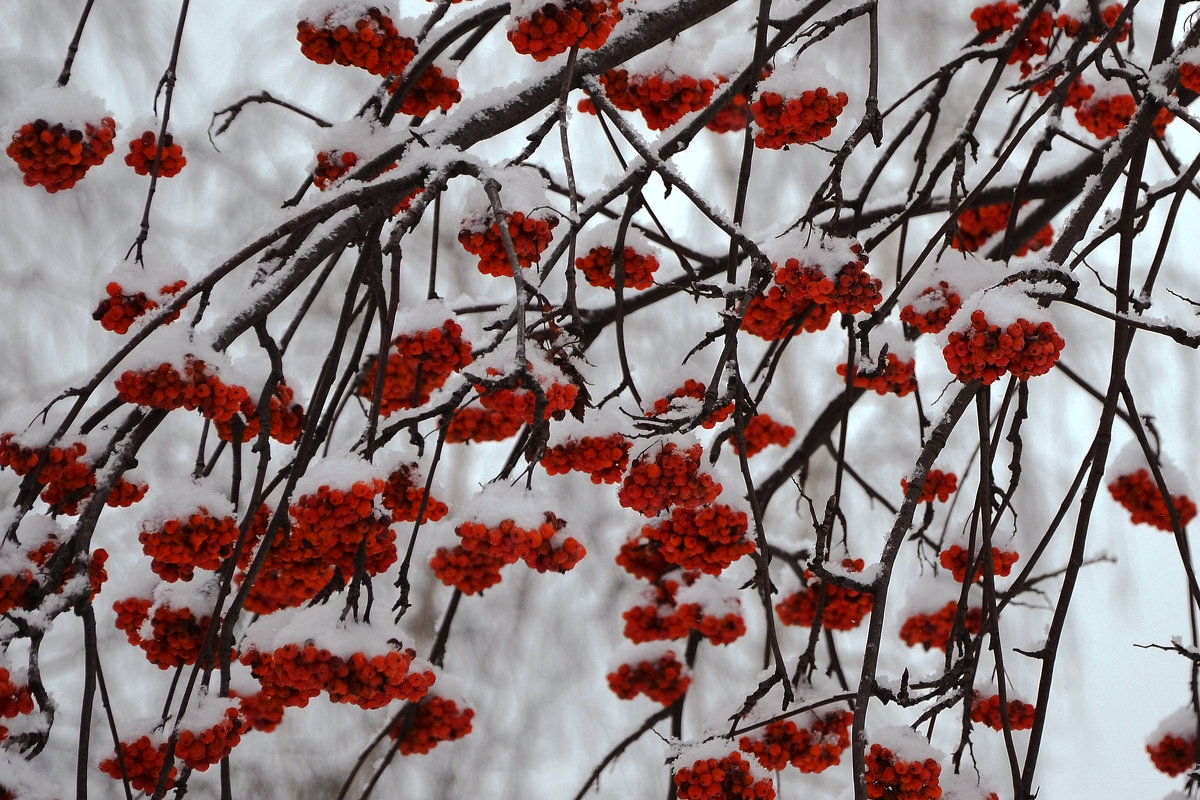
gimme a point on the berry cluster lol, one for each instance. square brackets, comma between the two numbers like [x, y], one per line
[200, 749]
[996, 18]
[370, 42]
[143, 761]
[663, 99]
[1104, 117]
[708, 538]
[291, 573]
[796, 120]
[15, 699]
[662, 619]
[54, 158]
[554, 28]
[403, 494]
[332, 165]
[197, 389]
[664, 680]
[1139, 495]
[986, 710]
[435, 720]
[286, 418]
[120, 309]
[761, 431]
[814, 748]
[842, 609]
[956, 559]
[803, 296]
[977, 225]
[669, 477]
[889, 778]
[143, 149]
[1189, 76]
[986, 351]
[67, 478]
[727, 778]
[483, 550]
[933, 308]
[296, 673]
[694, 390]
[475, 424]
[939, 485]
[933, 630]
[178, 547]
[597, 268]
[641, 559]
[897, 377]
[530, 237]
[333, 523]
[732, 117]
[421, 363]
[1173, 754]
[1071, 26]
[433, 90]
[261, 711]
[605, 458]
[176, 634]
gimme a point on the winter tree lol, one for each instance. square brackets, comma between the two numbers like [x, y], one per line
[596, 398]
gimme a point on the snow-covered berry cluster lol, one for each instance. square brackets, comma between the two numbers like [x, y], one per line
[369, 41]
[435, 720]
[890, 777]
[662, 98]
[604, 458]
[435, 89]
[977, 225]
[727, 778]
[419, 363]
[986, 710]
[939, 485]
[474, 564]
[815, 745]
[666, 476]
[143, 149]
[956, 559]
[762, 431]
[693, 390]
[197, 388]
[841, 608]
[663, 680]
[121, 308]
[898, 376]
[932, 309]
[933, 630]
[55, 157]
[708, 538]
[178, 547]
[556, 27]
[598, 268]
[803, 119]
[1139, 495]
[804, 296]
[530, 236]
[985, 351]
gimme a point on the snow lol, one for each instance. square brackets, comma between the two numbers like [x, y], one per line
[498, 501]
[798, 76]
[338, 471]
[1181, 723]
[1131, 458]
[71, 107]
[179, 498]
[828, 253]
[905, 743]
[322, 627]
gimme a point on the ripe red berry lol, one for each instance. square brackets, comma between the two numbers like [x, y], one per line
[977, 225]
[143, 149]
[933, 308]
[1139, 495]
[54, 157]
[986, 351]
[530, 237]
[663, 98]
[420, 362]
[897, 377]
[933, 630]
[803, 119]
[557, 26]
[986, 710]
[434, 90]
[605, 458]
[842, 609]
[664, 679]
[667, 476]
[956, 559]
[121, 307]
[727, 778]
[435, 720]
[938, 486]
[598, 268]
[813, 745]
[889, 777]
[1173, 754]
[761, 431]
[370, 41]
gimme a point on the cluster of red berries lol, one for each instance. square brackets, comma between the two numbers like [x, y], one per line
[890, 778]
[986, 351]
[483, 550]
[796, 120]
[120, 309]
[143, 148]
[372, 43]
[708, 538]
[176, 634]
[1139, 495]
[803, 297]
[694, 390]
[727, 778]
[761, 431]
[290, 574]
[933, 308]
[640, 558]
[261, 711]
[997, 18]
[15, 586]
[1173, 754]
[433, 90]
[196, 389]
[143, 762]
[1108, 16]
[67, 478]
[597, 268]
[603, 457]
[814, 748]
[663, 619]
[933, 630]
[977, 225]
[332, 165]
[286, 418]
[897, 377]
[334, 524]
[734, 116]
[1104, 117]
[663, 99]
[421, 363]
[664, 680]
[53, 157]
[842, 609]
[555, 28]
[986, 710]
[530, 237]
[200, 749]
[939, 485]
[178, 547]
[435, 720]
[956, 559]
[502, 412]
[1189, 76]
[404, 493]
[670, 476]
[296, 673]
[15, 699]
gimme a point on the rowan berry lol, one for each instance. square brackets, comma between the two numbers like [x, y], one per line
[931, 311]
[605, 458]
[371, 41]
[663, 98]
[1189, 76]
[842, 608]
[955, 559]
[15, 698]
[734, 116]
[295, 673]
[986, 351]
[120, 309]
[815, 747]
[597, 267]
[334, 523]
[639, 557]
[933, 630]
[660, 619]
[468, 571]
[807, 118]
[197, 388]
[261, 711]
[435, 720]
[708, 538]
[200, 749]
[433, 90]
[1071, 26]
[986, 710]
[938, 486]
[776, 314]
[143, 762]
[1105, 117]
[475, 424]
[691, 390]
[1173, 754]
[176, 635]
[762, 431]
[143, 149]
[286, 418]
[53, 157]
[897, 377]
[558, 26]
[664, 680]
[727, 778]
[1139, 495]
[530, 237]
[405, 491]
[178, 547]
[977, 225]
[667, 476]
[891, 778]
[849, 290]
[331, 166]
[420, 363]
[557, 554]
